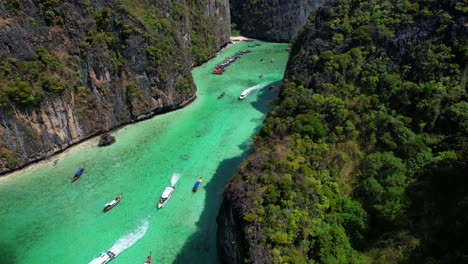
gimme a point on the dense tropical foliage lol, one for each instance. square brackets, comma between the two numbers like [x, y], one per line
[364, 157]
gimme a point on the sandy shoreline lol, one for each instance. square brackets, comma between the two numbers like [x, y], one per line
[55, 158]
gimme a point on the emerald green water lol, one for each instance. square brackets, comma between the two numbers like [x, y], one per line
[46, 219]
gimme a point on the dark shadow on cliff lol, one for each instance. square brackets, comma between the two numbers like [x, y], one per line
[7, 253]
[265, 96]
[197, 243]
[196, 248]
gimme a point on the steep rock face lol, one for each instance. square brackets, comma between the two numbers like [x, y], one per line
[276, 21]
[341, 65]
[230, 240]
[316, 36]
[73, 69]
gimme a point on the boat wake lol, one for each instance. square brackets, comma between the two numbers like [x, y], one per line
[256, 87]
[259, 86]
[130, 239]
[175, 177]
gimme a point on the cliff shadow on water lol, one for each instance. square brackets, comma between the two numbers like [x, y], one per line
[200, 247]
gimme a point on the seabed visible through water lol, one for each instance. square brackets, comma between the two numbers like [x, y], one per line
[44, 218]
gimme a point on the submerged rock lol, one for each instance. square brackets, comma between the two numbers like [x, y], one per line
[106, 139]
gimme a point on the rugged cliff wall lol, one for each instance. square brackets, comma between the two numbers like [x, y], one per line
[276, 21]
[230, 239]
[363, 157]
[73, 69]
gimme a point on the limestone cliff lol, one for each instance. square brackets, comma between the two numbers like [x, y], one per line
[352, 66]
[73, 69]
[276, 21]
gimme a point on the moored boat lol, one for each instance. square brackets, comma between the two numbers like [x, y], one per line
[261, 75]
[166, 195]
[197, 184]
[113, 203]
[149, 259]
[77, 174]
[103, 258]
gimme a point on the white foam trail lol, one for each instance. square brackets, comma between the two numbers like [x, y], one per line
[259, 86]
[130, 239]
[175, 177]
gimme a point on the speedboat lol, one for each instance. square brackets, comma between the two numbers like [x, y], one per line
[244, 94]
[197, 184]
[103, 258]
[166, 196]
[149, 259]
[77, 174]
[113, 203]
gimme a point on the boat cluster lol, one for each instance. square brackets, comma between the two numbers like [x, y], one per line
[221, 67]
[109, 255]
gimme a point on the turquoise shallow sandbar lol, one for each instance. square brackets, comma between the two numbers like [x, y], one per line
[44, 218]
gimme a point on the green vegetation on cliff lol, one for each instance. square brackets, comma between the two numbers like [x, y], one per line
[24, 82]
[363, 158]
[104, 63]
[109, 29]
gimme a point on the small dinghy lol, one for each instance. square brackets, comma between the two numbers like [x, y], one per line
[103, 258]
[261, 75]
[149, 259]
[221, 95]
[166, 196]
[197, 184]
[113, 203]
[77, 174]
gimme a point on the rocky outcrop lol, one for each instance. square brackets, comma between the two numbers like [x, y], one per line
[74, 69]
[276, 21]
[106, 139]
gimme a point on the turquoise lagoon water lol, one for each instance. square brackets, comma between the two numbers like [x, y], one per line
[44, 218]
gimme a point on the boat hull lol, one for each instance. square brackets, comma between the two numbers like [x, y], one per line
[103, 258]
[75, 178]
[77, 175]
[166, 196]
[107, 208]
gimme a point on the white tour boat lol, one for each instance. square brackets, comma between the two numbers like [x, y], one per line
[165, 196]
[103, 258]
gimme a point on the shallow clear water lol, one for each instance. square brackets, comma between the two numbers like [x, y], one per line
[44, 218]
